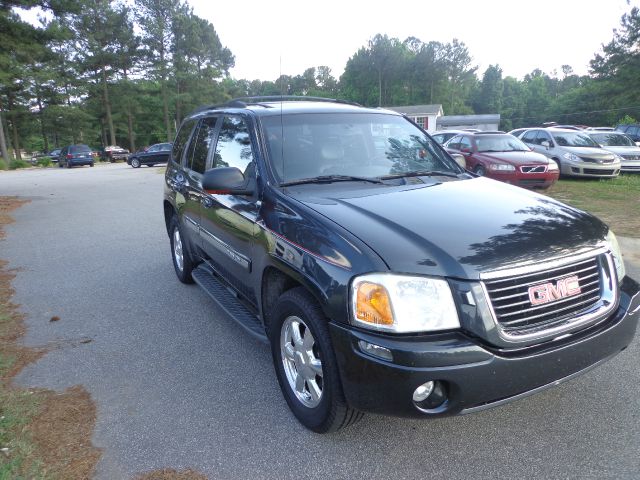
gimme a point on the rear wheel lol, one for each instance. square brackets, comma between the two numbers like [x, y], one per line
[91, 164]
[182, 262]
[305, 364]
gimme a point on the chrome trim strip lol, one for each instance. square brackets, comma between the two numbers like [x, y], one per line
[233, 254]
[191, 221]
[608, 302]
[532, 268]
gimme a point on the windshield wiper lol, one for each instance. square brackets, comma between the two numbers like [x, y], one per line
[420, 173]
[330, 179]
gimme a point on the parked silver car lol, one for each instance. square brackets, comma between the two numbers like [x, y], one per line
[622, 146]
[575, 152]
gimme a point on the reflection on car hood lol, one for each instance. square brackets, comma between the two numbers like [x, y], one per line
[596, 153]
[516, 158]
[456, 228]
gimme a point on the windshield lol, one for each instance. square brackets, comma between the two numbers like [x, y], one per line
[571, 139]
[611, 139]
[355, 144]
[499, 143]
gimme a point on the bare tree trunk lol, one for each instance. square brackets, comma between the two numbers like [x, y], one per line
[107, 106]
[45, 140]
[165, 110]
[3, 146]
[103, 132]
[132, 139]
[16, 139]
[379, 88]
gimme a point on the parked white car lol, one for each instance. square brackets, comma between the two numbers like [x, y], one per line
[622, 146]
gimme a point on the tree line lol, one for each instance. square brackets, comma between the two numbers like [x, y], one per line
[113, 72]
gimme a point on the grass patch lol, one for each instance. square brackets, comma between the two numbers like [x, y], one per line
[615, 201]
[16, 164]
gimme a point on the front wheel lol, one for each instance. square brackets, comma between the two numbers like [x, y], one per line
[182, 262]
[135, 163]
[305, 364]
[479, 170]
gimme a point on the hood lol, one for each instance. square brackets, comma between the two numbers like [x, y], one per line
[514, 158]
[590, 152]
[457, 228]
[624, 150]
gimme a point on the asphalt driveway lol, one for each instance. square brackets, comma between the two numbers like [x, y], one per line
[178, 384]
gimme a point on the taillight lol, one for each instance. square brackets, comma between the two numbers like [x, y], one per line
[69, 155]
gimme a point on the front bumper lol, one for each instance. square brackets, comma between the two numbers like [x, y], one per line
[526, 180]
[589, 169]
[475, 375]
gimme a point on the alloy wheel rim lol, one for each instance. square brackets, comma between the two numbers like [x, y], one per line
[177, 249]
[301, 360]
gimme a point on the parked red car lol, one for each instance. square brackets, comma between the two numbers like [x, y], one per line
[503, 157]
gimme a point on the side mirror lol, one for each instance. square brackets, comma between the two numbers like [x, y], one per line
[225, 181]
[545, 144]
[460, 160]
[466, 150]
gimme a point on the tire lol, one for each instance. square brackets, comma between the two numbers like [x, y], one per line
[182, 261]
[319, 404]
[91, 164]
[135, 163]
[151, 164]
[480, 170]
[59, 164]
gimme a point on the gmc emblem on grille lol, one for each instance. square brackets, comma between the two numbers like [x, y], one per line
[549, 292]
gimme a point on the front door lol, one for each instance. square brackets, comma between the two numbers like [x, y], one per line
[227, 221]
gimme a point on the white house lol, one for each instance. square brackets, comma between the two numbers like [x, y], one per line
[424, 115]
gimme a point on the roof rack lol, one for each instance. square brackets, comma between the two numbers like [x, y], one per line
[242, 102]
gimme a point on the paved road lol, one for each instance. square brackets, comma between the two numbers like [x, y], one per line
[177, 384]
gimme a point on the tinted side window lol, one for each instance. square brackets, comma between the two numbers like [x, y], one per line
[181, 139]
[633, 131]
[201, 143]
[529, 136]
[465, 143]
[454, 143]
[234, 145]
[154, 148]
[542, 136]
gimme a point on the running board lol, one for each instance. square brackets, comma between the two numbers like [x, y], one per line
[206, 279]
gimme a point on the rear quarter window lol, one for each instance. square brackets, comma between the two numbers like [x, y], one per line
[181, 140]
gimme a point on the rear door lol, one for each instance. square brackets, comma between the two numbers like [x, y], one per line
[228, 221]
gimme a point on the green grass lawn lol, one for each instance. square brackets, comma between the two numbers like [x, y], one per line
[616, 201]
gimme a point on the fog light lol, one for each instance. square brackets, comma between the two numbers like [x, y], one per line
[430, 397]
[375, 350]
[422, 392]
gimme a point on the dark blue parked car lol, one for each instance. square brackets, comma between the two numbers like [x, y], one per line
[158, 153]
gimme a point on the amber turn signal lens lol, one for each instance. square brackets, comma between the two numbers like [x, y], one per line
[373, 304]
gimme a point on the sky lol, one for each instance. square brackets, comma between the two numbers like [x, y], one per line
[285, 36]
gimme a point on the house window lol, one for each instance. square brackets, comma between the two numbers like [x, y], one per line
[422, 121]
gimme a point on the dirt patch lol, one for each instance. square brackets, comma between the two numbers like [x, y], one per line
[171, 474]
[46, 434]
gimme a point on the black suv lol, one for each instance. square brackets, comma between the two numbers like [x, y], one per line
[630, 130]
[75, 155]
[384, 276]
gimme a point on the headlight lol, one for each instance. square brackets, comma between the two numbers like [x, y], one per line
[617, 254]
[618, 158]
[553, 166]
[571, 157]
[502, 167]
[402, 303]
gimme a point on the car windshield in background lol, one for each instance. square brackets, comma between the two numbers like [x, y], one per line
[570, 139]
[499, 143]
[613, 139]
[353, 144]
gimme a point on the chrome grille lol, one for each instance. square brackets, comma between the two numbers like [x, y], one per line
[513, 308]
[631, 157]
[598, 160]
[533, 168]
